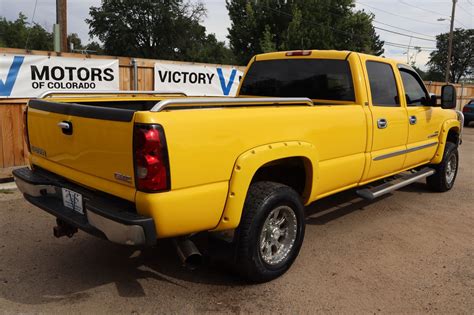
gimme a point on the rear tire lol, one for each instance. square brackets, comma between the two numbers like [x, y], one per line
[446, 171]
[466, 123]
[270, 233]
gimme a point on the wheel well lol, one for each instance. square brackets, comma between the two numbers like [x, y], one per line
[453, 136]
[295, 172]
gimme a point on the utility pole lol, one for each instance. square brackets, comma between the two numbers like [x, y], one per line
[408, 51]
[450, 45]
[61, 20]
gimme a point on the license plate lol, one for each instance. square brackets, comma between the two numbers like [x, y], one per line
[72, 200]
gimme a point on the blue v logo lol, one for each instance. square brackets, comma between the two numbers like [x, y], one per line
[226, 87]
[7, 86]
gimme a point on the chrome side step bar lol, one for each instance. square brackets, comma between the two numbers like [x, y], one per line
[375, 192]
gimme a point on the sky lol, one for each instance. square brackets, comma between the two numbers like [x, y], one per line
[416, 18]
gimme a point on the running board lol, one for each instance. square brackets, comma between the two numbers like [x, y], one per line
[385, 188]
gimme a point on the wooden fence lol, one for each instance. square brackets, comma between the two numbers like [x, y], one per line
[13, 150]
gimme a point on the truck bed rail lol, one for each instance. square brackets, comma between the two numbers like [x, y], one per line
[66, 94]
[229, 102]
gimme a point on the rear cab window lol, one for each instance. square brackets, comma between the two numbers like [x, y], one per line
[317, 79]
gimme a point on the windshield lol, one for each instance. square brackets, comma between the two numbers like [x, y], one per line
[323, 79]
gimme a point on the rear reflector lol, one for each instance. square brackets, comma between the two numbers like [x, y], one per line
[151, 158]
[299, 53]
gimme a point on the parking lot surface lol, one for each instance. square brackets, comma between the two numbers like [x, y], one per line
[408, 252]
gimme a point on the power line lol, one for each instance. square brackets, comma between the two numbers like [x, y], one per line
[423, 9]
[430, 11]
[464, 10]
[394, 14]
[337, 14]
[352, 34]
[356, 35]
[404, 29]
[402, 34]
[398, 45]
[31, 25]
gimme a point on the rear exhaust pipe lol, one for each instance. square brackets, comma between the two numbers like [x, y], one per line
[188, 253]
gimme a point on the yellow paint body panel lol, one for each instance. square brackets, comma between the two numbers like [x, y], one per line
[248, 164]
[215, 152]
[450, 124]
[184, 211]
[97, 149]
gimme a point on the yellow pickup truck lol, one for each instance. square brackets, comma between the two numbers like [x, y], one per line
[134, 167]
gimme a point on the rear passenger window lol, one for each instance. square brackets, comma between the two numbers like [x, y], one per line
[383, 86]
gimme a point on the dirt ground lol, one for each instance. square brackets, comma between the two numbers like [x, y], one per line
[409, 252]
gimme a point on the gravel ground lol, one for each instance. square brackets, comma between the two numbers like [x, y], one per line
[409, 252]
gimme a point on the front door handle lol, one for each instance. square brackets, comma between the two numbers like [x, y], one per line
[412, 120]
[382, 123]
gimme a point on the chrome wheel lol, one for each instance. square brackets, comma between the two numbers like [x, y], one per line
[451, 168]
[278, 235]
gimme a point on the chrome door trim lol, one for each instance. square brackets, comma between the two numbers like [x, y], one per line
[400, 152]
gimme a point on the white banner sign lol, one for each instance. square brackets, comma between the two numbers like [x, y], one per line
[29, 76]
[197, 80]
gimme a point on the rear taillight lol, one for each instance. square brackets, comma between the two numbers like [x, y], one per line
[151, 158]
[466, 109]
[25, 128]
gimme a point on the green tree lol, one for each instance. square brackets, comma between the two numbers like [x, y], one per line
[18, 34]
[267, 43]
[74, 42]
[257, 25]
[462, 59]
[155, 29]
[94, 48]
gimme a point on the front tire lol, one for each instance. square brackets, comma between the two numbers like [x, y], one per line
[446, 171]
[271, 231]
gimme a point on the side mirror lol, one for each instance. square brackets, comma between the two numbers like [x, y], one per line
[448, 97]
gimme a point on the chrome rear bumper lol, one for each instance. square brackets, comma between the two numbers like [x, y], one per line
[104, 216]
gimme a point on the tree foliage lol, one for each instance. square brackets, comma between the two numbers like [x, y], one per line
[263, 25]
[19, 34]
[462, 58]
[156, 29]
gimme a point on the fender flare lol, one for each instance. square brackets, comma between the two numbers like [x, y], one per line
[247, 165]
[448, 125]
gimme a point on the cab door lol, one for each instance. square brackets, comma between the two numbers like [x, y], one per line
[389, 120]
[423, 119]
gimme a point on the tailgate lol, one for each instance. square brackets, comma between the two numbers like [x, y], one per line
[90, 145]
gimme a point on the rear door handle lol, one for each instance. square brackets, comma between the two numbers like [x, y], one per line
[412, 120]
[382, 123]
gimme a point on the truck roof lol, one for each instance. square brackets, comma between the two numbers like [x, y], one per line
[323, 54]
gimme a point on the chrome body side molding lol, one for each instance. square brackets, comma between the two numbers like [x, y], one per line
[396, 153]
